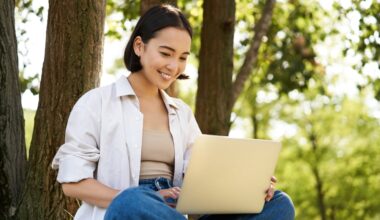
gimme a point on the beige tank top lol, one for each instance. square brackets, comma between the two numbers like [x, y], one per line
[157, 155]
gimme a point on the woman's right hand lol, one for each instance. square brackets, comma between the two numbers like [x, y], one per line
[172, 193]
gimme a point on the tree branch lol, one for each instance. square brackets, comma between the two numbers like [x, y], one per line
[260, 30]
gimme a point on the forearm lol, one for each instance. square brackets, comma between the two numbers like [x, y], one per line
[90, 191]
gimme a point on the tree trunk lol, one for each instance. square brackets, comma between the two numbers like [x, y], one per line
[72, 65]
[215, 67]
[144, 6]
[217, 93]
[316, 172]
[320, 193]
[255, 123]
[12, 138]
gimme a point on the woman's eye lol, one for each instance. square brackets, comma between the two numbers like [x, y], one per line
[165, 54]
[183, 58]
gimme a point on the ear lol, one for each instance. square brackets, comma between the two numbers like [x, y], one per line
[138, 45]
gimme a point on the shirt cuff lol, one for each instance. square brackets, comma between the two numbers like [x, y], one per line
[74, 169]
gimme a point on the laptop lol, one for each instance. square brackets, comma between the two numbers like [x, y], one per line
[227, 175]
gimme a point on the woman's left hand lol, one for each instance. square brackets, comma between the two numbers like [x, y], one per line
[270, 191]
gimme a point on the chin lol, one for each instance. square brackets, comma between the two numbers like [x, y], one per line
[164, 86]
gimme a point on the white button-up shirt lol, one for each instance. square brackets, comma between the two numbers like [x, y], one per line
[104, 135]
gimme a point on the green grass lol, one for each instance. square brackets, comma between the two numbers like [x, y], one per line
[29, 123]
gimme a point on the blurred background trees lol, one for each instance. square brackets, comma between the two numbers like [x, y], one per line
[310, 79]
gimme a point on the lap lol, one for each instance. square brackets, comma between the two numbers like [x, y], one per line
[145, 202]
[140, 203]
[279, 207]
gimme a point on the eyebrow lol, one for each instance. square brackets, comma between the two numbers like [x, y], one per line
[172, 49]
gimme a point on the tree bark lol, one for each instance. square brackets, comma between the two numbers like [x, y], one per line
[12, 139]
[215, 67]
[217, 93]
[72, 65]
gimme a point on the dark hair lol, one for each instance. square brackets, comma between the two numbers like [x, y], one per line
[155, 19]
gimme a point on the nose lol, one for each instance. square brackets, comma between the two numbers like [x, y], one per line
[173, 65]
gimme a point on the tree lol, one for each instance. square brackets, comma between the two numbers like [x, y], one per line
[71, 67]
[287, 60]
[217, 93]
[333, 153]
[12, 140]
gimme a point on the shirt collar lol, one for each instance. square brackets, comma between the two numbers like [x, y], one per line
[124, 88]
[169, 102]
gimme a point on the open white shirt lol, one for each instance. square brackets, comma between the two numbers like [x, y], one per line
[103, 140]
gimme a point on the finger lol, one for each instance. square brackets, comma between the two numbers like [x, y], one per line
[271, 187]
[167, 193]
[173, 194]
[270, 193]
[273, 179]
[177, 189]
[173, 205]
[269, 197]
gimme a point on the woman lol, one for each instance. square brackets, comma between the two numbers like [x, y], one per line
[127, 144]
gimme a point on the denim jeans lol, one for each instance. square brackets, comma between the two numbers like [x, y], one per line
[145, 203]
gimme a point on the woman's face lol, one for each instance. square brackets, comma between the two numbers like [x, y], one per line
[164, 57]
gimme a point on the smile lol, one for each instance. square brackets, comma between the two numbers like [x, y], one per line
[165, 75]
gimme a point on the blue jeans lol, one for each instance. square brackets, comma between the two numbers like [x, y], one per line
[145, 203]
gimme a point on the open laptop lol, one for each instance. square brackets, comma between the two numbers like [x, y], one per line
[228, 175]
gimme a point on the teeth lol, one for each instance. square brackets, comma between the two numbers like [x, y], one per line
[166, 76]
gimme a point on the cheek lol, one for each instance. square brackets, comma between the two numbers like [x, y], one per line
[148, 62]
[154, 61]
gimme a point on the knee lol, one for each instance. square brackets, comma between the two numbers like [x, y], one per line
[285, 204]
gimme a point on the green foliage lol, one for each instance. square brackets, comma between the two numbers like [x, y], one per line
[333, 136]
[369, 28]
[29, 123]
[25, 11]
[289, 52]
[120, 13]
[193, 11]
[29, 83]
[344, 150]
[363, 37]
[286, 61]
[27, 8]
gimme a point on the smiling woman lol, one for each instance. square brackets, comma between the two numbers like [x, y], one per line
[127, 145]
[131, 133]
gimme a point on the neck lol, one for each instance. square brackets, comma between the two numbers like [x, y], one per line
[142, 87]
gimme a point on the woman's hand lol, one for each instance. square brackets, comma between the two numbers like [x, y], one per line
[172, 193]
[270, 191]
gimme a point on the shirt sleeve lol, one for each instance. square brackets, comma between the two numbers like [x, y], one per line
[77, 158]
